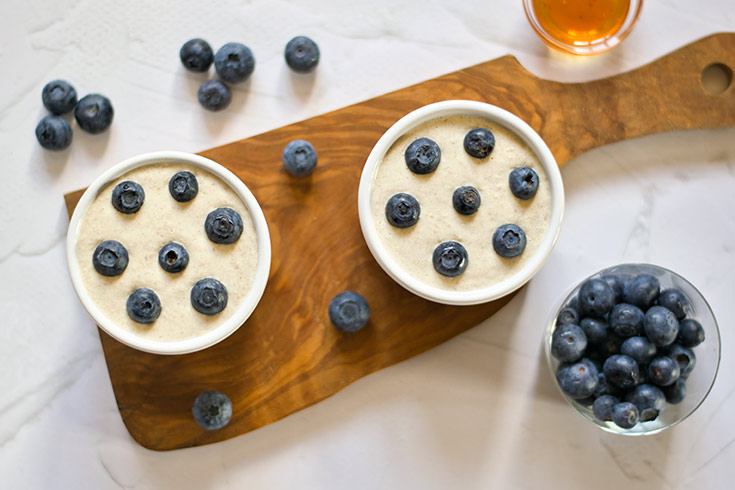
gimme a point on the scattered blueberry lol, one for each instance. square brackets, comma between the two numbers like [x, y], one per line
[54, 133]
[302, 54]
[173, 257]
[568, 343]
[596, 298]
[691, 333]
[209, 296]
[625, 415]
[299, 158]
[183, 186]
[640, 349]
[110, 258]
[674, 300]
[661, 326]
[196, 55]
[684, 357]
[479, 142]
[578, 380]
[349, 311]
[509, 240]
[402, 210]
[595, 329]
[621, 371]
[212, 410]
[214, 95]
[663, 371]
[128, 197]
[603, 405]
[423, 156]
[567, 315]
[616, 283]
[641, 291]
[466, 200]
[143, 306]
[59, 97]
[676, 392]
[94, 113]
[523, 182]
[450, 259]
[234, 62]
[649, 399]
[626, 320]
[223, 225]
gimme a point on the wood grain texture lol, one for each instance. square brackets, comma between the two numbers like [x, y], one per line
[287, 356]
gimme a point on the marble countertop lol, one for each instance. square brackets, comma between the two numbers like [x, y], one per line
[476, 412]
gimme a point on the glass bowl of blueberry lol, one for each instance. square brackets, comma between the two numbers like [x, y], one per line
[634, 348]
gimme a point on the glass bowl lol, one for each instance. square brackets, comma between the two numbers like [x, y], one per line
[700, 381]
[603, 26]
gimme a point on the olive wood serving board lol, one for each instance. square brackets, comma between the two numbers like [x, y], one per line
[288, 356]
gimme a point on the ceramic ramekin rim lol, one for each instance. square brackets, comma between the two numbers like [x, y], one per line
[246, 307]
[495, 114]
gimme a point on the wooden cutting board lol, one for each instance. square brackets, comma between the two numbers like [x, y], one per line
[288, 356]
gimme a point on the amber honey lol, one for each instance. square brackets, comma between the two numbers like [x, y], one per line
[581, 22]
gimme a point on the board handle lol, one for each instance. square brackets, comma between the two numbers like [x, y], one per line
[690, 88]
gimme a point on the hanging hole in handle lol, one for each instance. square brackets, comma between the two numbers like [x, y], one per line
[716, 78]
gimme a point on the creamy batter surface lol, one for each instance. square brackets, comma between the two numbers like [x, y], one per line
[160, 220]
[412, 248]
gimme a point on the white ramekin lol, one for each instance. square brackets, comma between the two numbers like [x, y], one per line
[243, 310]
[494, 114]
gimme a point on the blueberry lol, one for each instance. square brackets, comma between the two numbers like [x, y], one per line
[110, 258]
[626, 320]
[641, 291]
[621, 371]
[676, 392]
[691, 333]
[568, 343]
[625, 415]
[183, 186]
[567, 315]
[299, 158]
[466, 200]
[661, 326]
[234, 62]
[402, 210]
[450, 259]
[214, 95]
[94, 113]
[616, 283]
[595, 329]
[509, 240]
[596, 298]
[674, 300]
[423, 156]
[143, 306]
[349, 311]
[196, 55]
[523, 182]
[59, 97]
[603, 405]
[173, 257]
[128, 197]
[223, 225]
[604, 387]
[479, 142]
[209, 296]
[611, 345]
[684, 357]
[54, 133]
[578, 380]
[663, 371]
[212, 410]
[302, 54]
[640, 349]
[649, 399]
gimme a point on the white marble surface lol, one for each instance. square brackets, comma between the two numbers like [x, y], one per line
[476, 412]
